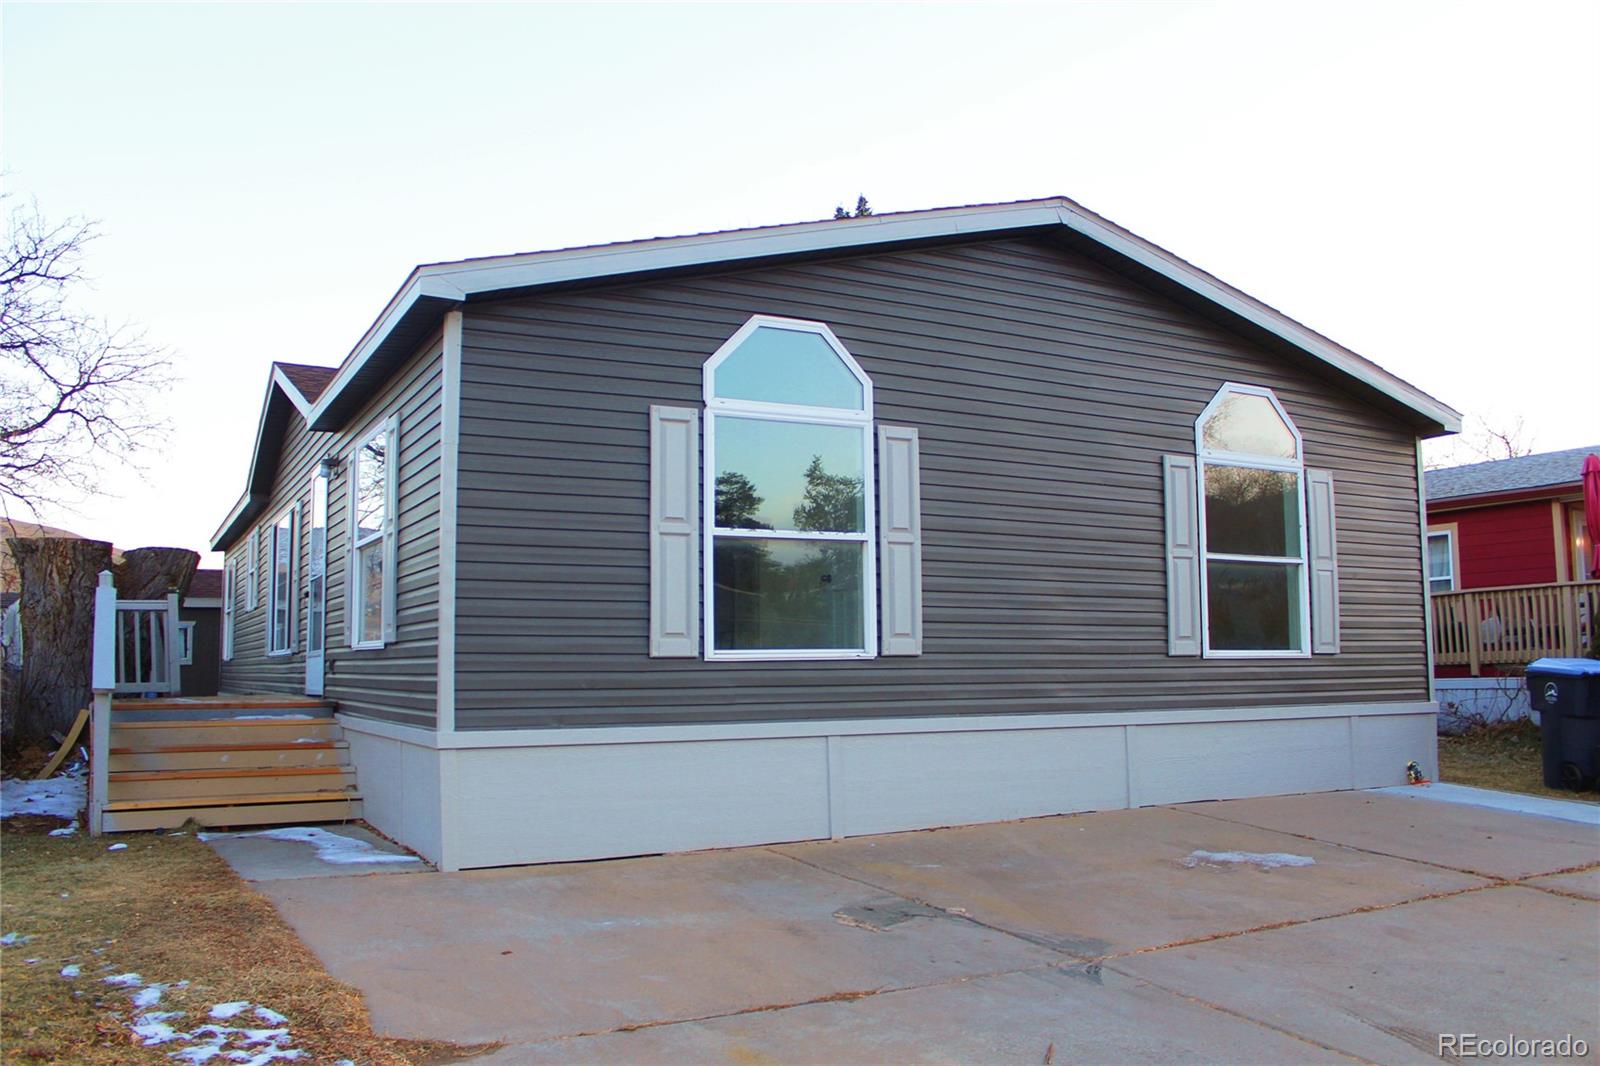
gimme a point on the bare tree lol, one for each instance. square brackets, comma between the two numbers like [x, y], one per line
[1482, 441]
[74, 390]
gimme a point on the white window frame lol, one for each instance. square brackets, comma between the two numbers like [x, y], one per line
[229, 590]
[292, 515]
[252, 571]
[1450, 543]
[1296, 466]
[780, 412]
[185, 643]
[389, 428]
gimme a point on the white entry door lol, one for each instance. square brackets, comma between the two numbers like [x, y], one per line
[317, 584]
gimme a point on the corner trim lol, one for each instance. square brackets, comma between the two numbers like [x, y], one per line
[449, 488]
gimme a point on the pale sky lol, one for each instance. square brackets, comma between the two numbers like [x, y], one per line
[1421, 182]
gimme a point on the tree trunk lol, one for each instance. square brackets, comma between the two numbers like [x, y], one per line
[58, 582]
[151, 573]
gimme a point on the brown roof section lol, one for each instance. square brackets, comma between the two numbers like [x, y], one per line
[206, 584]
[310, 380]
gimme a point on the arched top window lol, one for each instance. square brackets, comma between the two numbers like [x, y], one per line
[1245, 420]
[1252, 525]
[787, 363]
[790, 554]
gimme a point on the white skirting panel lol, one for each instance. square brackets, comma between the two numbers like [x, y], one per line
[399, 785]
[547, 797]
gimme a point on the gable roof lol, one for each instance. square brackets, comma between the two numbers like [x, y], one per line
[417, 309]
[205, 585]
[1562, 469]
[308, 381]
[416, 312]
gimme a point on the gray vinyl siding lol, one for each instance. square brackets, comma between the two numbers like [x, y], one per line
[397, 682]
[1045, 388]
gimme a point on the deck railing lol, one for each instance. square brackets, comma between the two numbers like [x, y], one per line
[147, 646]
[1514, 624]
[135, 650]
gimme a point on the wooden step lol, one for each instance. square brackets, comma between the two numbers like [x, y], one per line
[225, 801]
[200, 784]
[265, 704]
[234, 756]
[300, 812]
[149, 736]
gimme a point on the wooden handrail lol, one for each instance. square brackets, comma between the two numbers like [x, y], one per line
[1518, 588]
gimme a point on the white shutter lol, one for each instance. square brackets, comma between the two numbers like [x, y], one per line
[252, 573]
[674, 532]
[1323, 552]
[1183, 556]
[899, 542]
[391, 522]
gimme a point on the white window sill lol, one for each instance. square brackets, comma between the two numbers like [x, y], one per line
[286, 652]
[371, 645]
[1257, 655]
[782, 657]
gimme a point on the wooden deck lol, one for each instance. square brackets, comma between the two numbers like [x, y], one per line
[226, 761]
[1512, 626]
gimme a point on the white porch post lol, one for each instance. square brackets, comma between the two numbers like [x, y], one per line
[103, 679]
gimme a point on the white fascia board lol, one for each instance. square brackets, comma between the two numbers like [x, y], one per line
[458, 280]
[1253, 311]
[233, 516]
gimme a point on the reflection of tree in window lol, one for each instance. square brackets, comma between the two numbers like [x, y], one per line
[831, 502]
[738, 502]
[369, 491]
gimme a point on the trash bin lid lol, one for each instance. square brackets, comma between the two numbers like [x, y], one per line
[1566, 667]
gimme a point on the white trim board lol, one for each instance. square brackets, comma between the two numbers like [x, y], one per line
[455, 281]
[668, 734]
[449, 492]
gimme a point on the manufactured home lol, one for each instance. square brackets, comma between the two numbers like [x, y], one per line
[832, 529]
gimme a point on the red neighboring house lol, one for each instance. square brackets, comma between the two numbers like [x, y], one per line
[1515, 526]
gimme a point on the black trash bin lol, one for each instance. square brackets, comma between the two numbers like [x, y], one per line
[1566, 693]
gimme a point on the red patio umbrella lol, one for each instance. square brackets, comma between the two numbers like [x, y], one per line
[1591, 510]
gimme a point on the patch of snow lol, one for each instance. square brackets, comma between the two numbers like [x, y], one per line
[1271, 860]
[29, 962]
[54, 797]
[14, 938]
[65, 831]
[265, 1036]
[198, 1053]
[271, 1017]
[71, 971]
[331, 847]
[118, 847]
[152, 1028]
[266, 1056]
[224, 1011]
[124, 979]
[149, 996]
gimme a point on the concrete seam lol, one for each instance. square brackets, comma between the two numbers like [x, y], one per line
[1241, 1016]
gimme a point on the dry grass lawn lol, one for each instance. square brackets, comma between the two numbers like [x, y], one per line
[169, 909]
[1505, 757]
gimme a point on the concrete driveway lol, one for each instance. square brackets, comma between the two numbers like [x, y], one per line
[1334, 927]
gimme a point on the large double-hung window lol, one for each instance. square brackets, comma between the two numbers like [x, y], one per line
[373, 502]
[280, 583]
[789, 546]
[1253, 526]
